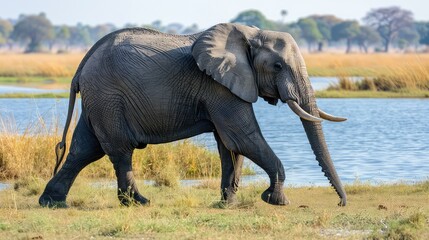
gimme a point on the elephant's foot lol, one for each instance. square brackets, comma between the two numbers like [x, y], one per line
[52, 201]
[228, 196]
[132, 198]
[275, 195]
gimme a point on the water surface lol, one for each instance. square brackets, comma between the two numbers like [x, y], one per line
[14, 89]
[384, 140]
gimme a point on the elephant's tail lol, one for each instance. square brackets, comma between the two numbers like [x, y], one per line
[60, 148]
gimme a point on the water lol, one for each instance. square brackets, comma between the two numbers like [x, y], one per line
[13, 89]
[317, 82]
[4, 186]
[383, 141]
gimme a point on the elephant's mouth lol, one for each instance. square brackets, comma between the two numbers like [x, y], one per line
[271, 100]
[305, 115]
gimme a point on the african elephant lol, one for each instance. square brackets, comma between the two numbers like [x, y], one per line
[139, 86]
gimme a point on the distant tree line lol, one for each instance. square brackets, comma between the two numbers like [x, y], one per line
[383, 27]
[36, 33]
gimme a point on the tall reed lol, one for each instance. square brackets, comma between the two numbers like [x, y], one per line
[365, 65]
[31, 153]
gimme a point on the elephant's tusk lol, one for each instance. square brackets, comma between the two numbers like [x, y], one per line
[301, 113]
[330, 117]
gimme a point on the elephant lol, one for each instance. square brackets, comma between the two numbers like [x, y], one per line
[139, 86]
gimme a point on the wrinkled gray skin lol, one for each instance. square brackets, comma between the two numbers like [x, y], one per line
[140, 87]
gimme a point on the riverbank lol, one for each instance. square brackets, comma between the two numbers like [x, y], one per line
[386, 75]
[389, 211]
[15, 68]
[372, 94]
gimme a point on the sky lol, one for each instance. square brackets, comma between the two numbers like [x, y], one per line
[202, 12]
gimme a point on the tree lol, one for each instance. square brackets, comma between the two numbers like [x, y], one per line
[407, 37]
[292, 28]
[100, 31]
[309, 31]
[365, 37]
[254, 18]
[130, 25]
[62, 35]
[324, 24]
[157, 24]
[174, 28]
[191, 29]
[5, 30]
[423, 30]
[388, 22]
[35, 28]
[346, 30]
[283, 13]
[79, 35]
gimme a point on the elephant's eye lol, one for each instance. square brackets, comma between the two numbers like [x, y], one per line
[278, 66]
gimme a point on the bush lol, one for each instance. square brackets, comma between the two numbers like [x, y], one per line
[367, 84]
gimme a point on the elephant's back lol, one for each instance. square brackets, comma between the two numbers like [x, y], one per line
[150, 37]
[130, 54]
[138, 72]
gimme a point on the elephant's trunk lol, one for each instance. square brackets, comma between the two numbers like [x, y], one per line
[318, 144]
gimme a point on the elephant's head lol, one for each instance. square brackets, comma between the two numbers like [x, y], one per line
[251, 63]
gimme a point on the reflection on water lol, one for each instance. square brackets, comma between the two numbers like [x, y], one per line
[384, 140]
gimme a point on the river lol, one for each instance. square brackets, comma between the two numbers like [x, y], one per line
[383, 140]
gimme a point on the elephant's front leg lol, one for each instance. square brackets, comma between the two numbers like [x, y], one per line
[127, 189]
[257, 150]
[232, 163]
[239, 132]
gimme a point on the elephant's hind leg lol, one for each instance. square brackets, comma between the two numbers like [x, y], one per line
[84, 150]
[232, 164]
[127, 189]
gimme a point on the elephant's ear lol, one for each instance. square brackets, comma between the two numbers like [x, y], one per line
[223, 51]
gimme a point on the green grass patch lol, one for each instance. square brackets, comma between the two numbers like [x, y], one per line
[195, 212]
[33, 80]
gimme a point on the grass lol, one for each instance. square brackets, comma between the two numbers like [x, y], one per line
[372, 94]
[376, 212]
[22, 154]
[37, 95]
[387, 75]
[38, 67]
[366, 65]
[396, 211]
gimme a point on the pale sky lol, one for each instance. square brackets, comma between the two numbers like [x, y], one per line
[202, 12]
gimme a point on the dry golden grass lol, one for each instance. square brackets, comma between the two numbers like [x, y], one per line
[383, 72]
[390, 72]
[39, 65]
[321, 64]
[32, 154]
[366, 65]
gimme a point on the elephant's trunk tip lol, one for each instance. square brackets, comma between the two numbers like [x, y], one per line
[343, 202]
[336, 184]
